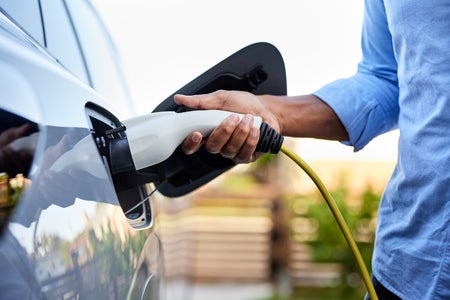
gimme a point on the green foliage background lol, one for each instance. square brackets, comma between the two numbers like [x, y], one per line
[328, 243]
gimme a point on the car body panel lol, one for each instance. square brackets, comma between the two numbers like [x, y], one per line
[69, 234]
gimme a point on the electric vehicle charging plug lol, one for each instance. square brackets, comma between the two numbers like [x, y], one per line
[153, 138]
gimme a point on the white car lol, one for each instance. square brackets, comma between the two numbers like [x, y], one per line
[73, 224]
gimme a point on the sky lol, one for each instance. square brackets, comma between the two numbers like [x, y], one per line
[165, 44]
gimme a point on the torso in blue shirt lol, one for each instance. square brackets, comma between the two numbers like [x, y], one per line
[404, 80]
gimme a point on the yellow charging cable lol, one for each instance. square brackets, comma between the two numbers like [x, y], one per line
[339, 219]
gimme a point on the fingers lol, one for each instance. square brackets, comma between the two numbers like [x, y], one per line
[221, 100]
[221, 134]
[192, 143]
[205, 101]
[247, 152]
[234, 139]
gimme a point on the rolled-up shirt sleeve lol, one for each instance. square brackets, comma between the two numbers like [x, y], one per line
[367, 103]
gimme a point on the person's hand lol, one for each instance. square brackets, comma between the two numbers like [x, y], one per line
[234, 138]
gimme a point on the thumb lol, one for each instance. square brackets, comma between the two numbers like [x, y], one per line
[213, 100]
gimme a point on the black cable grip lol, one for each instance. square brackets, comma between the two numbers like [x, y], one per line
[269, 141]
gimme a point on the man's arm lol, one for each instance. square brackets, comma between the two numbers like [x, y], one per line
[353, 110]
[297, 116]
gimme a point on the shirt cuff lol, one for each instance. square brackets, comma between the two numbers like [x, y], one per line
[364, 106]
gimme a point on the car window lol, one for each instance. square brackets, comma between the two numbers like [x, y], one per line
[61, 40]
[29, 18]
[101, 56]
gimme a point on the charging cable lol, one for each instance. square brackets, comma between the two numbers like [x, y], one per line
[339, 219]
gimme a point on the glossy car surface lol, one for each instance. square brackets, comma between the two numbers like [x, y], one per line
[64, 233]
[69, 227]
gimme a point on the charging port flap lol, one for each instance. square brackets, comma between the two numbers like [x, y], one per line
[258, 69]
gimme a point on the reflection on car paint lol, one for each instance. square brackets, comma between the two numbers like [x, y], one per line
[15, 162]
[92, 259]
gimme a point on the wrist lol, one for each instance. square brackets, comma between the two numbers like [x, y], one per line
[302, 116]
[271, 113]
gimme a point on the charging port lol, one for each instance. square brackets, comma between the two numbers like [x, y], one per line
[109, 133]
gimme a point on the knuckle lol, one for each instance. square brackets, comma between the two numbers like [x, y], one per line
[228, 129]
[243, 130]
[230, 125]
[221, 94]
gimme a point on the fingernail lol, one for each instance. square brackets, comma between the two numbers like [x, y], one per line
[196, 138]
[227, 155]
[187, 151]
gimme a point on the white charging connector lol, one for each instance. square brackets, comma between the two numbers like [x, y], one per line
[153, 138]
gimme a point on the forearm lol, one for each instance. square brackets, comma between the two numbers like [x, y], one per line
[300, 116]
[305, 116]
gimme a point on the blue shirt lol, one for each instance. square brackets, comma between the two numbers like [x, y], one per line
[403, 81]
